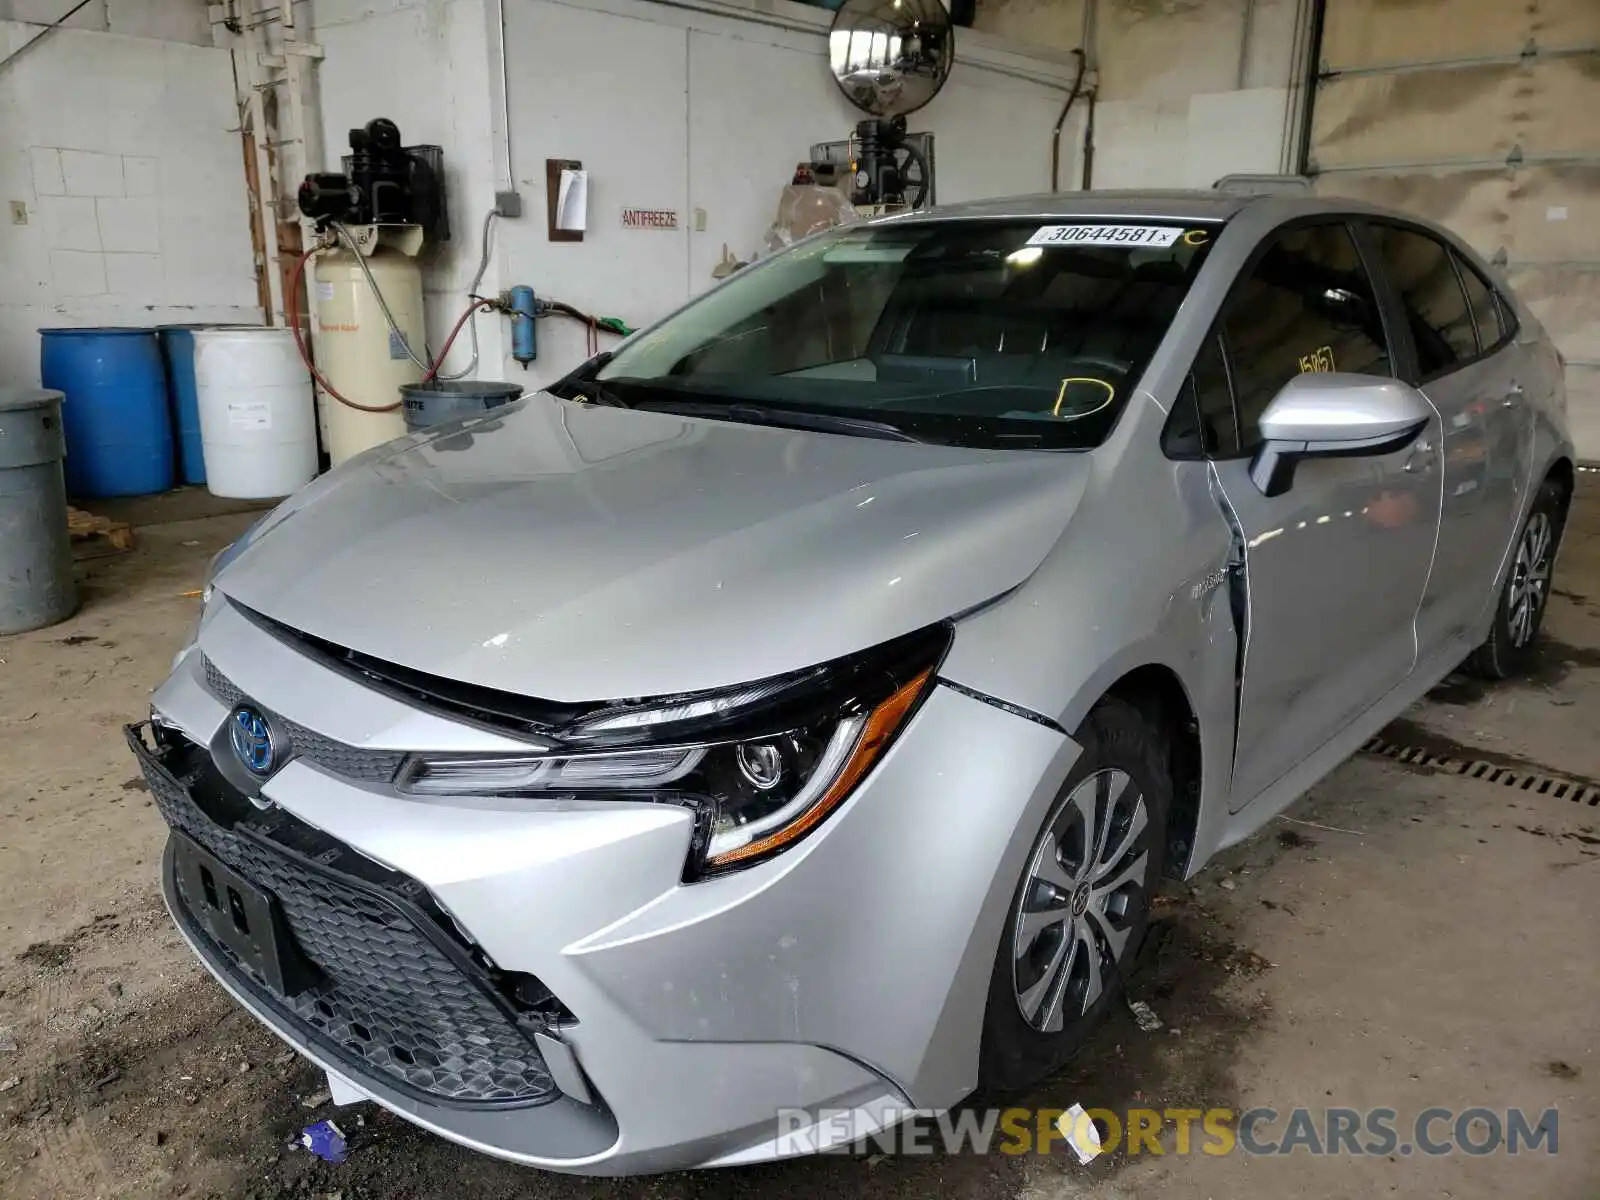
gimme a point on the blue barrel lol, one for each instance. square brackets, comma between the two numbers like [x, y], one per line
[177, 348]
[118, 429]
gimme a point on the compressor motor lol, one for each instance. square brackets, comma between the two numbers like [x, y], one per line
[384, 183]
[890, 171]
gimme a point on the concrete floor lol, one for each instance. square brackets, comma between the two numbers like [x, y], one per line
[1408, 938]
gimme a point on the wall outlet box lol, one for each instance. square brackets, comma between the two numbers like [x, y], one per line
[508, 204]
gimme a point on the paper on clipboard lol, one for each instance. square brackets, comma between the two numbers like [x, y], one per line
[572, 201]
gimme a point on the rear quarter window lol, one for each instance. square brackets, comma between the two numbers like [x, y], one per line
[1488, 314]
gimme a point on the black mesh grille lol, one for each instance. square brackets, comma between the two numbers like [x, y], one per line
[389, 998]
[353, 762]
[340, 758]
[220, 685]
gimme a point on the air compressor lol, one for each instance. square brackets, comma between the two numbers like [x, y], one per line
[369, 333]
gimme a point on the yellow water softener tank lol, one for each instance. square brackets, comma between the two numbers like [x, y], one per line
[361, 355]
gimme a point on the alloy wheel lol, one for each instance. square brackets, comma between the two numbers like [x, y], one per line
[1084, 891]
[1529, 585]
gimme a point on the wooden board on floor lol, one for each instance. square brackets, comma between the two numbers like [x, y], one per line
[96, 535]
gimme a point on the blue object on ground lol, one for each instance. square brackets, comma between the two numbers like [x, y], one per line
[326, 1141]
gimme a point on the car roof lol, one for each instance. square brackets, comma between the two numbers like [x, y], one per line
[1183, 205]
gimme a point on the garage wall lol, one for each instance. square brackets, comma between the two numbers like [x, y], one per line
[1474, 112]
[1480, 114]
[426, 67]
[1186, 91]
[166, 20]
[702, 109]
[1477, 113]
[122, 187]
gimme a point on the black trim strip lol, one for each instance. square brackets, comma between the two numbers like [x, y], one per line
[862, 678]
[486, 708]
[1016, 710]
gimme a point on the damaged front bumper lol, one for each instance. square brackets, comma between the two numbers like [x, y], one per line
[538, 982]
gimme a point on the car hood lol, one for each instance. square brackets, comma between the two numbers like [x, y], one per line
[575, 553]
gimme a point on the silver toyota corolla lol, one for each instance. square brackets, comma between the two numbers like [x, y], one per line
[796, 708]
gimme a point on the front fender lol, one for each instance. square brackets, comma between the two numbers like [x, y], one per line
[1131, 585]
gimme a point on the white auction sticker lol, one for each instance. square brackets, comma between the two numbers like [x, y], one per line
[249, 414]
[324, 290]
[1106, 235]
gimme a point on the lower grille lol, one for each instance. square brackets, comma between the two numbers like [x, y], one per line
[388, 998]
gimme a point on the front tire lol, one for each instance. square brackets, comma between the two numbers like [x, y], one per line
[1082, 906]
[1519, 612]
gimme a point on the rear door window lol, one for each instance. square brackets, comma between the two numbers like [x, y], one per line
[1431, 297]
[1307, 305]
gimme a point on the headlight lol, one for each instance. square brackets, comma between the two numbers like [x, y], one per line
[761, 766]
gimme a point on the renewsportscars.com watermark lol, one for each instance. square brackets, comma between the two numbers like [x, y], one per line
[1373, 1132]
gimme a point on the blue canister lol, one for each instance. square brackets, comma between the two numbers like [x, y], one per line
[524, 341]
[117, 426]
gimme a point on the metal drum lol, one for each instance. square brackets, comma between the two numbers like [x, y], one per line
[36, 587]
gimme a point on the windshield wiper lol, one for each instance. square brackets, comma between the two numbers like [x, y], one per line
[589, 391]
[786, 418]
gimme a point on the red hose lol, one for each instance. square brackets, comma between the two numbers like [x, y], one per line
[291, 304]
[438, 359]
[292, 312]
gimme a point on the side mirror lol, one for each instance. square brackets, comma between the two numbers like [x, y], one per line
[1329, 415]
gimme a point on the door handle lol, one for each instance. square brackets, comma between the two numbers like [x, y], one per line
[1420, 458]
[1513, 396]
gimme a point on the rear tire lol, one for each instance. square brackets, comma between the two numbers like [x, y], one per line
[1525, 594]
[1080, 911]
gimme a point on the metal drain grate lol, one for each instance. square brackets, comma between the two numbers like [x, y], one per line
[1527, 781]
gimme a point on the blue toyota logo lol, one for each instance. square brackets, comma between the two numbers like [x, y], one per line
[253, 741]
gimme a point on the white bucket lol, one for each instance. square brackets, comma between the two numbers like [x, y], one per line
[258, 423]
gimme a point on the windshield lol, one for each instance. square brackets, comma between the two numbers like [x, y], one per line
[977, 333]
